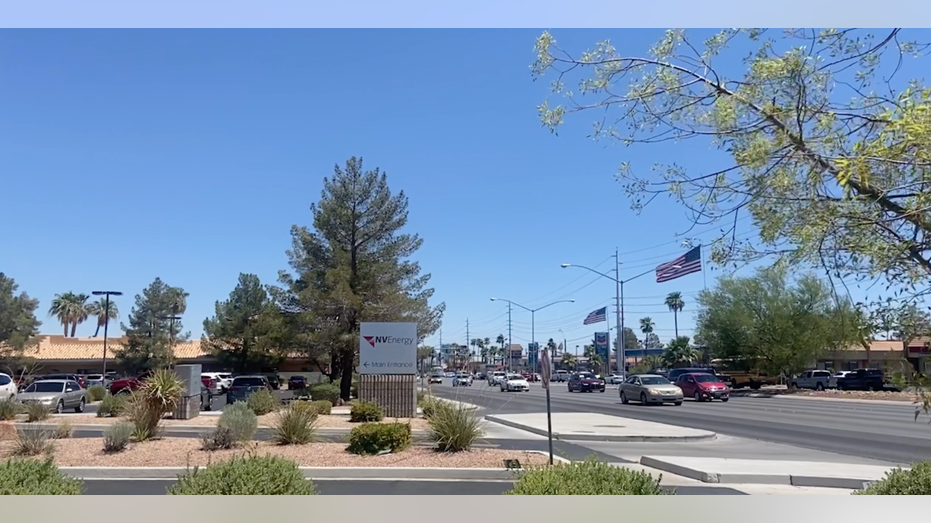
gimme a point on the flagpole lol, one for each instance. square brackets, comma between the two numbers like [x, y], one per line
[701, 255]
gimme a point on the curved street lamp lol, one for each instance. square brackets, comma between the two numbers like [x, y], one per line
[532, 312]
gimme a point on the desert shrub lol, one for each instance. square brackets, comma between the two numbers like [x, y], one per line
[158, 395]
[365, 411]
[325, 391]
[323, 407]
[454, 428]
[32, 441]
[586, 478]
[37, 412]
[900, 482]
[429, 405]
[112, 406]
[240, 420]
[63, 430]
[146, 421]
[9, 409]
[262, 402]
[32, 477]
[219, 439]
[96, 393]
[376, 438]
[245, 476]
[295, 426]
[117, 436]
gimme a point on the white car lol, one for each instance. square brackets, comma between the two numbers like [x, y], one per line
[514, 383]
[223, 379]
[436, 378]
[615, 379]
[7, 387]
[462, 380]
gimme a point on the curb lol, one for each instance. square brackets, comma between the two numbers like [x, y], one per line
[756, 479]
[334, 473]
[903, 403]
[601, 437]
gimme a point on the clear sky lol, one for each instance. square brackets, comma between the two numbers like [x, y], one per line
[127, 155]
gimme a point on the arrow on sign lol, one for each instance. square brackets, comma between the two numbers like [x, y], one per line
[366, 364]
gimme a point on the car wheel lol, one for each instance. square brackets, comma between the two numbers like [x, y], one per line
[80, 408]
[678, 404]
[624, 398]
[602, 390]
[724, 399]
[794, 385]
[819, 386]
[643, 398]
[697, 396]
[60, 407]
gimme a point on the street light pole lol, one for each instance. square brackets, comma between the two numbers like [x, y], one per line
[106, 315]
[532, 320]
[171, 334]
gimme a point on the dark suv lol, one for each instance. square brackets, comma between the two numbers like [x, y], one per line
[585, 382]
[863, 379]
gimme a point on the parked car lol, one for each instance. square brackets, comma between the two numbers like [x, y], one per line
[72, 377]
[92, 380]
[863, 379]
[243, 387]
[480, 375]
[649, 388]
[221, 382]
[462, 380]
[297, 383]
[57, 395]
[127, 385]
[436, 377]
[813, 379]
[496, 377]
[561, 375]
[585, 382]
[514, 383]
[616, 379]
[703, 386]
[8, 387]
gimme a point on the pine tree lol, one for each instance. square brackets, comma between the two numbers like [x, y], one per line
[354, 266]
[18, 322]
[148, 344]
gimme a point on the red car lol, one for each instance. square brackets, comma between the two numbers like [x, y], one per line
[702, 386]
[127, 385]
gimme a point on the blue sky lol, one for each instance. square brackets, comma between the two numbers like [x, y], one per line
[188, 156]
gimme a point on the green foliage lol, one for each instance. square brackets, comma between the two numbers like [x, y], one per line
[220, 438]
[455, 428]
[104, 311]
[679, 353]
[145, 420]
[429, 405]
[149, 332]
[365, 411]
[96, 393]
[71, 310]
[323, 407]
[31, 441]
[18, 323]
[585, 478]
[32, 477]
[900, 482]
[325, 391]
[295, 427]
[801, 321]
[245, 476]
[9, 408]
[112, 406]
[240, 420]
[37, 412]
[158, 395]
[247, 330]
[262, 402]
[117, 436]
[377, 438]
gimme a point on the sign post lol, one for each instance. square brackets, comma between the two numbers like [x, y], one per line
[546, 372]
[388, 365]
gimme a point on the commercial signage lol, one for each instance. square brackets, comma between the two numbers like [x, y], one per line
[533, 355]
[388, 348]
[601, 346]
[517, 354]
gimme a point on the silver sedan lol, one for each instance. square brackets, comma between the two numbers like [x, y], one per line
[57, 395]
[649, 388]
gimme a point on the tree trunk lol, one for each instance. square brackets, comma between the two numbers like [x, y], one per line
[675, 319]
[96, 332]
[74, 327]
[345, 383]
[65, 325]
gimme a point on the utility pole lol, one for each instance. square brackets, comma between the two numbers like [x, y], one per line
[619, 288]
[508, 348]
[468, 342]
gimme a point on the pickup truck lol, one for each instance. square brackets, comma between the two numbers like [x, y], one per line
[127, 385]
[813, 379]
[863, 379]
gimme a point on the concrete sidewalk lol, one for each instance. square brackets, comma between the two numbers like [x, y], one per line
[768, 472]
[578, 426]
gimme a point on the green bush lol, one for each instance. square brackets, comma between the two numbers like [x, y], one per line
[112, 406]
[365, 411]
[37, 412]
[219, 439]
[32, 477]
[295, 426]
[96, 393]
[31, 441]
[323, 407]
[262, 402]
[63, 430]
[117, 436]
[585, 478]
[239, 419]
[900, 482]
[325, 391]
[9, 409]
[454, 428]
[429, 405]
[245, 476]
[376, 438]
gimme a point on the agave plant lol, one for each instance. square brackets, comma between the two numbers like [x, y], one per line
[159, 394]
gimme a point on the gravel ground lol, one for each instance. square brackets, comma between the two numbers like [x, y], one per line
[267, 420]
[856, 394]
[342, 422]
[180, 452]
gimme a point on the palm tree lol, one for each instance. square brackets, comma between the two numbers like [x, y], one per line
[679, 351]
[99, 310]
[652, 361]
[646, 327]
[569, 361]
[71, 310]
[675, 303]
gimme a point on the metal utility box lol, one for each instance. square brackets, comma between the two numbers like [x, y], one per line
[189, 406]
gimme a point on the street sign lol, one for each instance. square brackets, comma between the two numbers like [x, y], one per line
[546, 370]
[388, 348]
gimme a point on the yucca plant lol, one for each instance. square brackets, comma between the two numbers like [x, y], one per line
[159, 394]
[454, 428]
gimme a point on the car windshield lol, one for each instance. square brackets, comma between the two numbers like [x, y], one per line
[46, 386]
[94, 376]
[515, 377]
[586, 376]
[654, 380]
[248, 382]
[706, 378]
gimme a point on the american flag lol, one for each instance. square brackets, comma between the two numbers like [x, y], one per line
[688, 263]
[596, 316]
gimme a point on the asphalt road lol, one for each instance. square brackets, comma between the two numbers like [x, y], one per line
[878, 431]
[363, 488]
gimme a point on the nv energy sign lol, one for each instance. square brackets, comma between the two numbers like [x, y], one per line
[388, 348]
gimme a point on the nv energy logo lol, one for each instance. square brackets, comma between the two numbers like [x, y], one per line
[372, 340]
